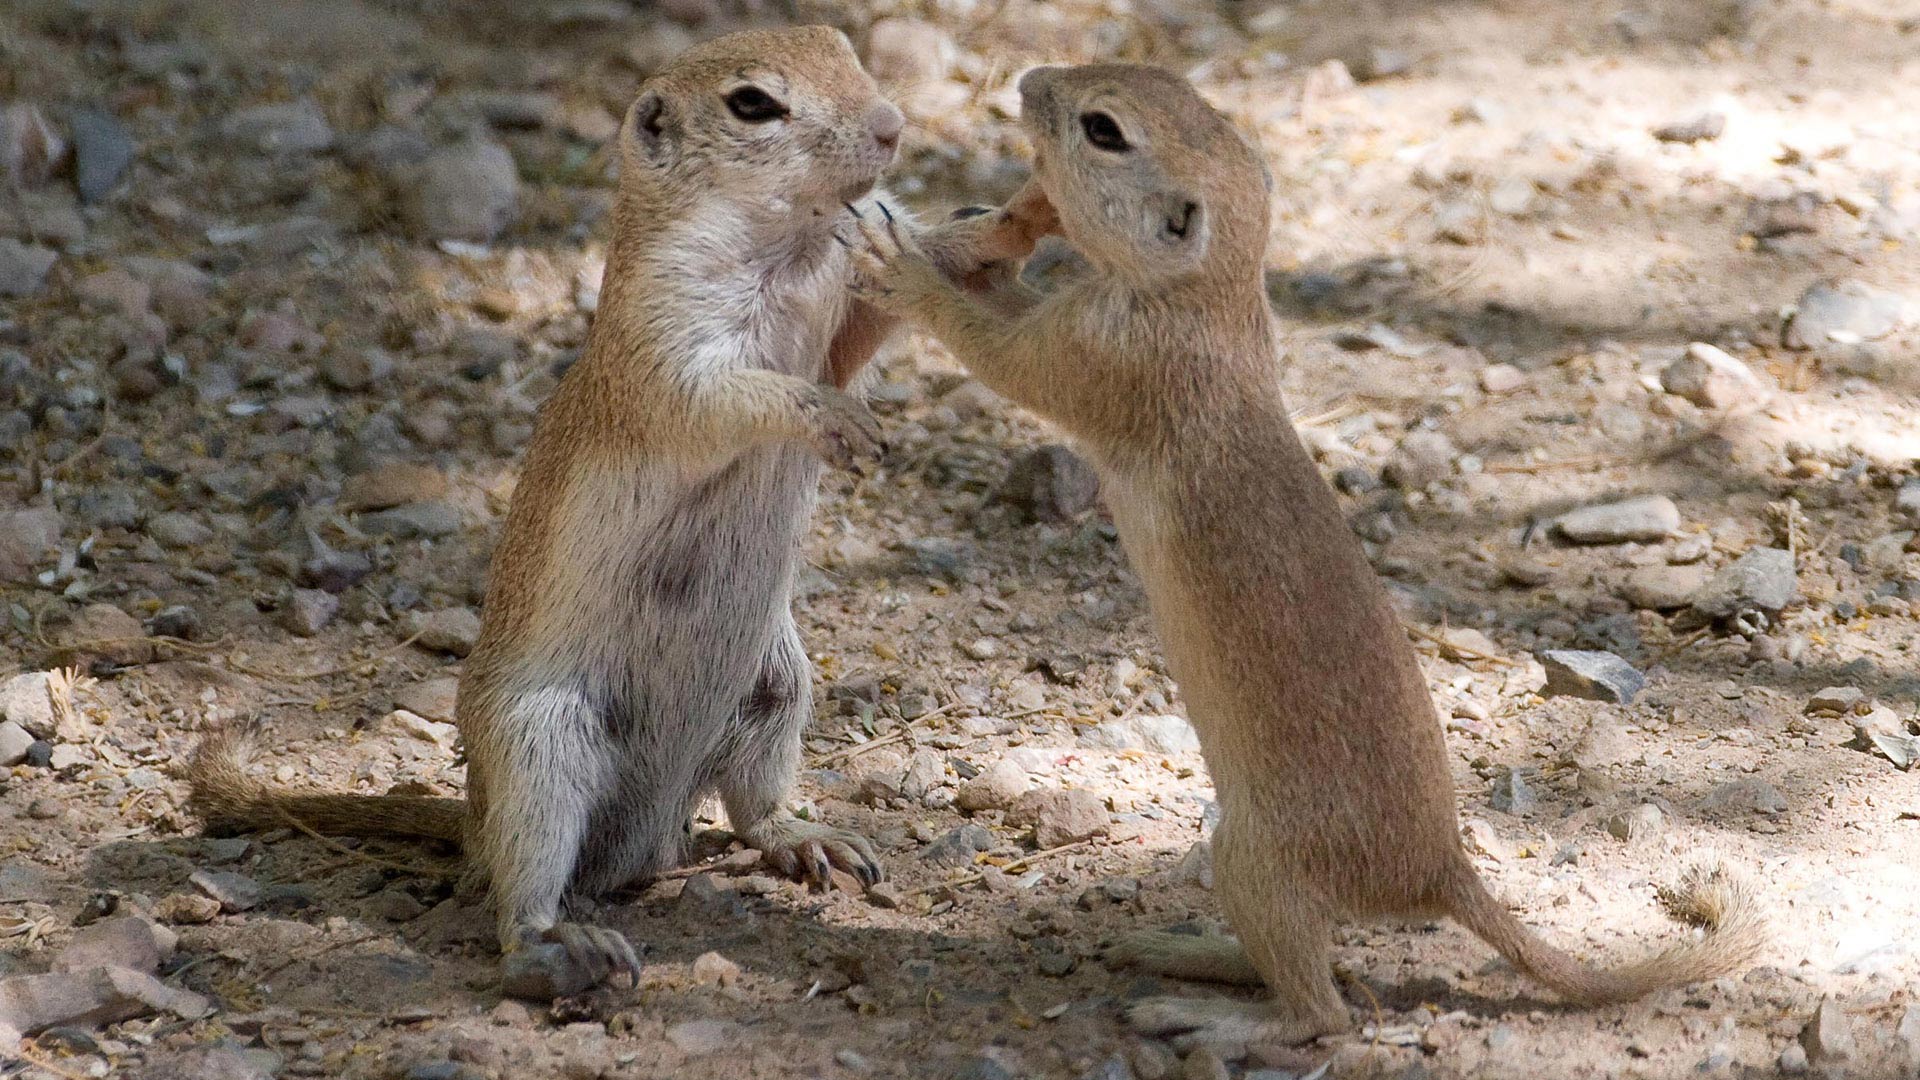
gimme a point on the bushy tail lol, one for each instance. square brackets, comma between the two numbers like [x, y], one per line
[227, 798]
[1728, 909]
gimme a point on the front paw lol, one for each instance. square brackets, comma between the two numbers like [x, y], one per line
[890, 270]
[841, 430]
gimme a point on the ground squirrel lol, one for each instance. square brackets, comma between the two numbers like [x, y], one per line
[1161, 360]
[637, 649]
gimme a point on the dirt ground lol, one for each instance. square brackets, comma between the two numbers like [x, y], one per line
[1499, 227]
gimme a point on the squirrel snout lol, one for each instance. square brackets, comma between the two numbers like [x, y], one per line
[885, 121]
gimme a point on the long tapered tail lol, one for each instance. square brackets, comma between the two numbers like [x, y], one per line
[227, 798]
[1728, 909]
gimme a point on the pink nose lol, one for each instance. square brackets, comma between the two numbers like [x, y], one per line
[885, 121]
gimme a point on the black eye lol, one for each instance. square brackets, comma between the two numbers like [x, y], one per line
[1103, 132]
[754, 105]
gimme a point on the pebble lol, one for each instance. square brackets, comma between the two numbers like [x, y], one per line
[1060, 816]
[415, 521]
[234, 892]
[982, 649]
[1642, 821]
[1836, 700]
[396, 905]
[308, 611]
[334, 571]
[1662, 588]
[1597, 676]
[541, 972]
[1712, 379]
[1195, 867]
[291, 128]
[1165, 734]
[102, 151]
[1511, 793]
[129, 941]
[31, 1003]
[176, 621]
[698, 1037]
[1502, 378]
[452, 630]
[1763, 579]
[995, 788]
[27, 537]
[15, 741]
[174, 529]
[433, 699]
[1749, 794]
[1515, 197]
[1793, 1060]
[104, 631]
[392, 485]
[1204, 1064]
[1906, 1035]
[1828, 1037]
[24, 701]
[356, 368]
[31, 149]
[24, 267]
[1693, 129]
[469, 191]
[1646, 518]
[1422, 458]
[713, 969]
[1906, 501]
[1843, 313]
[45, 809]
[186, 909]
[955, 848]
[925, 772]
[1051, 484]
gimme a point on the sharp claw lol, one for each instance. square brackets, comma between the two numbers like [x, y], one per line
[855, 211]
[842, 241]
[888, 214]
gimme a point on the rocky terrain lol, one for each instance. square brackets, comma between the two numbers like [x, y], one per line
[1604, 322]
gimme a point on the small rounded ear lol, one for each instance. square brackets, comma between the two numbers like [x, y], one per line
[650, 125]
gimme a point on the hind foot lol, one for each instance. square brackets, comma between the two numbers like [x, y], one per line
[811, 851]
[566, 959]
[1225, 1027]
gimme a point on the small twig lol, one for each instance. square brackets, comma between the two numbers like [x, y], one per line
[1015, 866]
[1461, 650]
[317, 954]
[352, 854]
[38, 1062]
[1685, 642]
[1560, 463]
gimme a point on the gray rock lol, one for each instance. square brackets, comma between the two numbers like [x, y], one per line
[1195, 867]
[24, 701]
[955, 848]
[308, 611]
[293, 127]
[1906, 1035]
[356, 368]
[1051, 484]
[1060, 816]
[106, 632]
[176, 621]
[1597, 676]
[1793, 1060]
[416, 521]
[102, 150]
[433, 699]
[925, 771]
[469, 191]
[1835, 700]
[1828, 1037]
[234, 892]
[31, 1003]
[1114, 1068]
[1421, 458]
[1707, 125]
[452, 630]
[1158, 734]
[1646, 518]
[334, 571]
[1712, 379]
[1511, 793]
[15, 741]
[1844, 313]
[24, 267]
[1906, 501]
[1763, 579]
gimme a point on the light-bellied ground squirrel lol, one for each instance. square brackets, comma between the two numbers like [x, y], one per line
[637, 650]
[1161, 360]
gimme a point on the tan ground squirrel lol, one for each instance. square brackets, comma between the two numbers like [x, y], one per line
[637, 649]
[1312, 709]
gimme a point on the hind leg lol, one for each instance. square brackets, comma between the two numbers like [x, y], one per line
[758, 769]
[546, 771]
[1286, 930]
